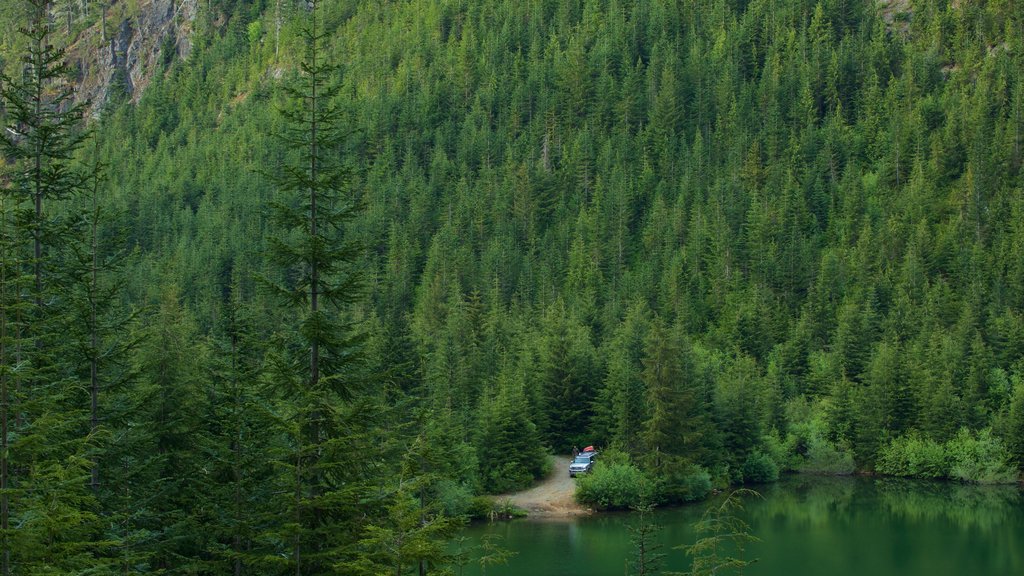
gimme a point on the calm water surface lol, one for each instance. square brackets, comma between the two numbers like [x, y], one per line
[808, 525]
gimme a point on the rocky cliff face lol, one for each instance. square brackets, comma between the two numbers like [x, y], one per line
[118, 56]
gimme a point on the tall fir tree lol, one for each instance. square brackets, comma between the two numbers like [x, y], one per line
[317, 365]
[674, 434]
[48, 447]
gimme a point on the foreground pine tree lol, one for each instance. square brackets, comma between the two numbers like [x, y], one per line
[317, 355]
[48, 513]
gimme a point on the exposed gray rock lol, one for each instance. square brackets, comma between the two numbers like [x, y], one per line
[121, 61]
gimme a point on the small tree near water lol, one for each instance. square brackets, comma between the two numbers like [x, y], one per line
[648, 558]
[723, 538]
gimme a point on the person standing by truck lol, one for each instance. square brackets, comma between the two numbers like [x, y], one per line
[575, 451]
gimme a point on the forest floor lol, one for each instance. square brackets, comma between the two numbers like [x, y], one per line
[552, 497]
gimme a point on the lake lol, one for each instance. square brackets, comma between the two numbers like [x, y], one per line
[807, 525]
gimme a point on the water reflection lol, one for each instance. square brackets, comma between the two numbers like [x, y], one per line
[808, 525]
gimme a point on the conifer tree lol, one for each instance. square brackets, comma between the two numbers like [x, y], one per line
[47, 447]
[13, 283]
[674, 434]
[620, 408]
[1014, 427]
[567, 379]
[239, 484]
[506, 427]
[316, 364]
[166, 463]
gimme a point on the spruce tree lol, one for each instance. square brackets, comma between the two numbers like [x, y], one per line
[568, 375]
[675, 432]
[46, 456]
[238, 443]
[317, 362]
[166, 468]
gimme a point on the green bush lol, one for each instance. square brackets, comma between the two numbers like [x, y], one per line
[684, 484]
[981, 459]
[696, 484]
[781, 451]
[506, 510]
[807, 443]
[824, 457]
[815, 454]
[913, 457]
[480, 508]
[506, 477]
[488, 508]
[760, 469]
[456, 499]
[611, 456]
[613, 486]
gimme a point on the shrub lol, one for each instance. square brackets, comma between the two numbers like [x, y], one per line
[613, 486]
[611, 456]
[816, 454]
[811, 450]
[696, 484]
[781, 451]
[824, 457]
[913, 457]
[759, 469]
[980, 459]
[480, 507]
[506, 477]
[506, 510]
[455, 499]
[487, 508]
[685, 483]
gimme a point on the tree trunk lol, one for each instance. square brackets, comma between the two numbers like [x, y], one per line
[237, 464]
[37, 176]
[277, 30]
[94, 417]
[5, 561]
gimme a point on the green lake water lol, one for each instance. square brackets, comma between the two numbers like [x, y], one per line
[807, 525]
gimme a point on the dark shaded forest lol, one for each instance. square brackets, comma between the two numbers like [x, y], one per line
[722, 239]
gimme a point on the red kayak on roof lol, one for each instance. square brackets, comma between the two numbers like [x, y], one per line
[588, 449]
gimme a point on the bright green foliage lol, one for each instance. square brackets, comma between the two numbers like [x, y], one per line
[807, 447]
[759, 468]
[613, 486]
[969, 457]
[979, 458]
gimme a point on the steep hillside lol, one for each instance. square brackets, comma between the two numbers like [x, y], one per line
[718, 238]
[820, 206]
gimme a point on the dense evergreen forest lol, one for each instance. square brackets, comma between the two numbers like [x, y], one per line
[345, 269]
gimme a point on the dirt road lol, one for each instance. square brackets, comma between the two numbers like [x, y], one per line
[553, 496]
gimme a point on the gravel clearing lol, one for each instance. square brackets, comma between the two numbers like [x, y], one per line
[552, 497]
